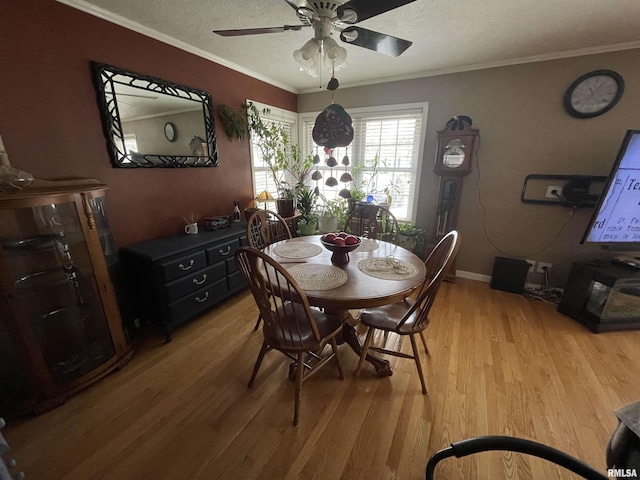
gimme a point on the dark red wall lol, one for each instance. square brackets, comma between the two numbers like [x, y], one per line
[50, 122]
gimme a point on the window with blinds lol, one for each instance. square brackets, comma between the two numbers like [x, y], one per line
[384, 157]
[262, 178]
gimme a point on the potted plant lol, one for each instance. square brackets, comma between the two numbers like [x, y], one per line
[234, 121]
[412, 238]
[306, 205]
[289, 168]
[357, 195]
[333, 213]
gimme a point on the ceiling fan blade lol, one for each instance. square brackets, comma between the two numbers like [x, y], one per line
[355, 11]
[256, 31]
[376, 41]
[292, 4]
[303, 10]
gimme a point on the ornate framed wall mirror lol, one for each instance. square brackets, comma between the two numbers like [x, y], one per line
[136, 110]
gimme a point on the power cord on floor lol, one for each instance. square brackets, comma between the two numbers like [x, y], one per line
[545, 293]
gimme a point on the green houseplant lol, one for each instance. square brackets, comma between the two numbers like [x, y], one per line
[379, 184]
[234, 121]
[332, 214]
[289, 168]
[412, 238]
[306, 205]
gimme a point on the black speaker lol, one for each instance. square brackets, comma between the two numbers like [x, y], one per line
[509, 274]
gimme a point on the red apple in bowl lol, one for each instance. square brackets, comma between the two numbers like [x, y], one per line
[351, 240]
[339, 241]
[329, 237]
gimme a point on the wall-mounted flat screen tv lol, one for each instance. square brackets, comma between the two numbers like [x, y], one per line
[616, 219]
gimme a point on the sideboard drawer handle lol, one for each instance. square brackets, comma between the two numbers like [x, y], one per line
[182, 267]
[225, 253]
[204, 279]
[200, 300]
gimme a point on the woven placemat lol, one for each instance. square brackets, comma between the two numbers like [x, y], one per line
[311, 276]
[297, 250]
[367, 245]
[387, 269]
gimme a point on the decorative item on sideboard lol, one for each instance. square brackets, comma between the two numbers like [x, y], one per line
[217, 223]
[191, 219]
[236, 211]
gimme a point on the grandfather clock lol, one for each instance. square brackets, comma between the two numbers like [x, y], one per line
[454, 156]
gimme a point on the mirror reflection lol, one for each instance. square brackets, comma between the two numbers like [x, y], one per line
[150, 122]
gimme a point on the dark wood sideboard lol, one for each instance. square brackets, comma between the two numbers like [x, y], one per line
[173, 279]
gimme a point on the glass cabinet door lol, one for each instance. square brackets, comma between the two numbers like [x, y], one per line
[55, 287]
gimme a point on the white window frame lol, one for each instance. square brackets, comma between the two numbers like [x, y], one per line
[366, 112]
[278, 115]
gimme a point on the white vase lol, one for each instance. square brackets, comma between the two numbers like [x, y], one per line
[328, 224]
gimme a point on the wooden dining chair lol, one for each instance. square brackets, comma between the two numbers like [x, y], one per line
[410, 317]
[374, 222]
[265, 227]
[290, 326]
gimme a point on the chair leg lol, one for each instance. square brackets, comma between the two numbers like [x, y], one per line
[298, 388]
[334, 347]
[263, 351]
[365, 348]
[257, 322]
[424, 343]
[416, 357]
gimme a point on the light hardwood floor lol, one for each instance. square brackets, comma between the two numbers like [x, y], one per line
[500, 364]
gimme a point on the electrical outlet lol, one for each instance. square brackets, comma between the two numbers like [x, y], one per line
[532, 265]
[553, 191]
[542, 265]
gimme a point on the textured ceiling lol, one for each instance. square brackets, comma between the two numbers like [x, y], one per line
[447, 36]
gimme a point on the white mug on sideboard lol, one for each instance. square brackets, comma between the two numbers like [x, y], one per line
[191, 228]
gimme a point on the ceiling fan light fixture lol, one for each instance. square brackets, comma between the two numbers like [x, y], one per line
[309, 51]
[335, 56]
[308, 57]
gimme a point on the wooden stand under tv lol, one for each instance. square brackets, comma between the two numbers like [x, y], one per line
[60, 325]
[593, 284]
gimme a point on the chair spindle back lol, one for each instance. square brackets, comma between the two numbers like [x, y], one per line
[283, 304]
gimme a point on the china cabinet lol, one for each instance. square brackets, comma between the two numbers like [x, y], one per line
[60, 327]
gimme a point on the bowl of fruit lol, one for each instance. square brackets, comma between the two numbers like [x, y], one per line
[340, 244]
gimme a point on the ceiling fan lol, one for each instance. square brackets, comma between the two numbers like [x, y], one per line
[327, 16]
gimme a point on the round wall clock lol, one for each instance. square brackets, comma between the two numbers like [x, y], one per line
[170, 131]
[594, 93]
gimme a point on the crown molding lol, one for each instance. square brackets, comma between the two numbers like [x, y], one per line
[482, 66]
[161, 37]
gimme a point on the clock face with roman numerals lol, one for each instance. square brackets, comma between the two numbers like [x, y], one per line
[594, 93]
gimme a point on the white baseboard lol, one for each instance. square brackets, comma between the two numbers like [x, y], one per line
[473, 276]
[487, 279]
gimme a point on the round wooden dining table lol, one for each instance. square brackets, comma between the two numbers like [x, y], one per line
[361, 289]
